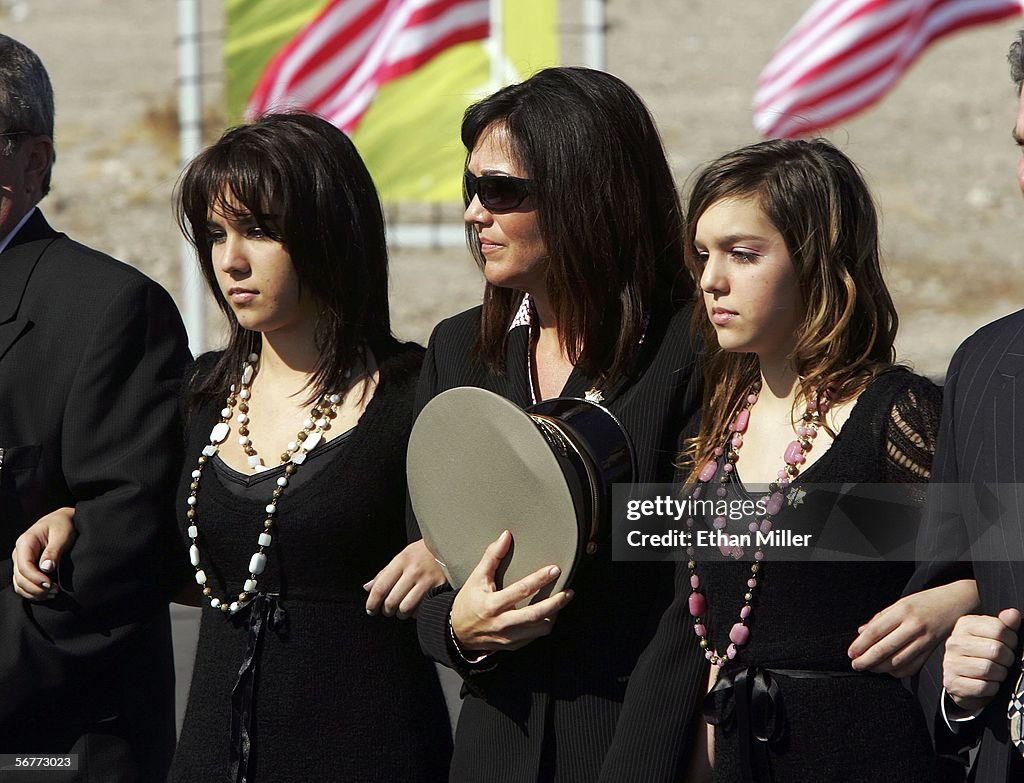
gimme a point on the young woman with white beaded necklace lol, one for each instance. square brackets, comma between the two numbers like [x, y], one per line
[294, 492]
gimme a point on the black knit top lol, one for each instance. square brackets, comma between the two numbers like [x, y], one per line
[837, 725]
[889, 439]
[338, 695]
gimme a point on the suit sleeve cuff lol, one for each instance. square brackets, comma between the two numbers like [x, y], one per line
[954, 716]
[437, 640]
[469, 658]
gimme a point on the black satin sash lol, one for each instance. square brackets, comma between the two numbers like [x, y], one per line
[265, 610]
[750, 698]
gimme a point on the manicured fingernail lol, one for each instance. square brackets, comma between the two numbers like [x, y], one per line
[46, 565]
[47, 585]
[553, 571]
[368, 585]
[570, 593]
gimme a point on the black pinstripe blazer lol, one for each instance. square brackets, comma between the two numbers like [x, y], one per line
[975, 500]
[548, 711]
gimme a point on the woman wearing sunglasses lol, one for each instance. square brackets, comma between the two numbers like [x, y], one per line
[573, 216]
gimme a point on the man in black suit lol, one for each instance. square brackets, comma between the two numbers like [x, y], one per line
[977, 526]
[91, 357]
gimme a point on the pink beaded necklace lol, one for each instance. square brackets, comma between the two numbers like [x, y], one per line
[794, 456]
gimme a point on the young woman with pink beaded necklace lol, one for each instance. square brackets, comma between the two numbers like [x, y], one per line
[800, 387]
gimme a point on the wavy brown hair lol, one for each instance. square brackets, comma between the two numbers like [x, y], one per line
[818, 201]
[607, 208]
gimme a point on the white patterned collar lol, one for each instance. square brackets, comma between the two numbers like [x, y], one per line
[524, 315]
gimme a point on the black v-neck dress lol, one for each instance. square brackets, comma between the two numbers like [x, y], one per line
[337, 695]
[822, 721]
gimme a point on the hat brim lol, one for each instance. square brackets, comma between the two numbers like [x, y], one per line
[478, 465]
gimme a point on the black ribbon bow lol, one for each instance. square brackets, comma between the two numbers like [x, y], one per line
[750, 698]
[265, 610]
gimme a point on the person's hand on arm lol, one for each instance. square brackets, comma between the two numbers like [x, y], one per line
[485, 619]
[38, 551]
[899, 639]
[978, 657]
[398, 588]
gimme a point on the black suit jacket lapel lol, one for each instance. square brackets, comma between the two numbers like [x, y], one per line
[517, 371]
[17, 263]
[517, 350]
[1005, 419]
[1004, 425]
[578, 384]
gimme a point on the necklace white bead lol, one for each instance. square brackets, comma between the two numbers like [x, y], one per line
[295, 454]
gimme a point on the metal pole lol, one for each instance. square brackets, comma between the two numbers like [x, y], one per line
[595, 26]
[190, 130]
[496, 45]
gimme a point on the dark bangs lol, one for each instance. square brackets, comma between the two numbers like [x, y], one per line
[303, 182]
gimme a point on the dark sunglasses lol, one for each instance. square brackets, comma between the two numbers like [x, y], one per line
[497, 192]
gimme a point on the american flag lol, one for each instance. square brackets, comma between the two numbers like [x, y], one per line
[844, 55]
[335, 66]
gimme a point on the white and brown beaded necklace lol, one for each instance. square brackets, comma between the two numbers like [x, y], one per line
[294, 454]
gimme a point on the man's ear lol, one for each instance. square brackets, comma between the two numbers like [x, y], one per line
[38, 158]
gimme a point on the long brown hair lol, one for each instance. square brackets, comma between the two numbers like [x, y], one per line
[818, 201]
[607, 208]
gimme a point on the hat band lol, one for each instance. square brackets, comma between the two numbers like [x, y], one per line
[562, 441]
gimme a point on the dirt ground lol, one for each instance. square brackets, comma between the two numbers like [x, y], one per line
[937, 151]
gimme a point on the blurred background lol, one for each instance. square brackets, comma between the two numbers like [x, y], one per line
[937, 150]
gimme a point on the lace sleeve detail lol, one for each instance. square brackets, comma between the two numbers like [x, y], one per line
[911, 432]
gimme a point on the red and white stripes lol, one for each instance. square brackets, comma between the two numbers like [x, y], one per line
[335, 66]
[844, 55]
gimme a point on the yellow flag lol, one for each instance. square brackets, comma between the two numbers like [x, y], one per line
[409, 138]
